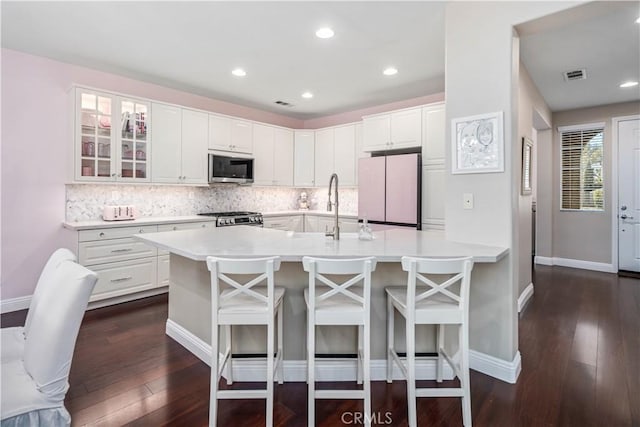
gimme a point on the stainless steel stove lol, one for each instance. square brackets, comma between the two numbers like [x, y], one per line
[227, 219]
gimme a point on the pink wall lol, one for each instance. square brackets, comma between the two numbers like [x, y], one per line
[356, 115]
[36, 139]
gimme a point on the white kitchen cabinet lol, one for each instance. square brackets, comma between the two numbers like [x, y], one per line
[284, 222]
[230, 134]
[392, 131]
[344, 155]
[324, 156]
[180, 156]
[360, 153]
[304, 162]
[335, 152]
[195, 129]
[273, 154]
[433, 171]
[127, 268]
[111, 137]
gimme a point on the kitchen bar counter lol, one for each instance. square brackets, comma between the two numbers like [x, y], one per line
[245, 241]
[189, 320]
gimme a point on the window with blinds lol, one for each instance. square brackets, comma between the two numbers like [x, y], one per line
[582, 174]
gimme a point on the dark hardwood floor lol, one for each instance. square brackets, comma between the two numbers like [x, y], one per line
[579, 340]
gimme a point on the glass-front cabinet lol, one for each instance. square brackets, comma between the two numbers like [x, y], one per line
[112, 137]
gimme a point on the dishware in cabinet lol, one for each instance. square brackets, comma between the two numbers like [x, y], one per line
[112, 138]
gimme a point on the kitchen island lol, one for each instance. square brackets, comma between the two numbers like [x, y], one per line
[190, 296]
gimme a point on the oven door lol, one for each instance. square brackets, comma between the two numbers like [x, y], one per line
[230, 169]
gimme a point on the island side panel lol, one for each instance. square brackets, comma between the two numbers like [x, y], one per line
[190, 307]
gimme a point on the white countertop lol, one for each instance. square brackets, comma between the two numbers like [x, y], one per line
[98, 223]
[245, 241]
[151, 220]
[310, 212]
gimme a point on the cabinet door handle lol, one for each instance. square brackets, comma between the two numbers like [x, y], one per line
[204, 225]
[101, 234]
[141, 231]
[113, 175]
[121, 279]
[117, 251]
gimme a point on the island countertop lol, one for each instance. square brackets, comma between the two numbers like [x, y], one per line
[246, 241]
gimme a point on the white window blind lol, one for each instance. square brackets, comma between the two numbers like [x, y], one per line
[582, 174]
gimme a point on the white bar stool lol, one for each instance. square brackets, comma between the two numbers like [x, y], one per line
[340, 304]
[244, 304]
[434, 304]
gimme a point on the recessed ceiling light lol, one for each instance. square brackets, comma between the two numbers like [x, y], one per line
[390, 71]
[239, 72]
[629, 84]
[325, 33]
[307, 95]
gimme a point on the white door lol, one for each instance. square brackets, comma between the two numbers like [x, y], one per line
[303, 163]
[324, 154]
[629, 195]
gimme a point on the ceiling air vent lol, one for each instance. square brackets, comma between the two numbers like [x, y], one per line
[284, 103]
[575, 75]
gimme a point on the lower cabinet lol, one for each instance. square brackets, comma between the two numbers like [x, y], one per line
[284, 222]
[322, 223]
[127, 267]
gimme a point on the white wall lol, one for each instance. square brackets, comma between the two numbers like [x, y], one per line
[482, 57]
[530, 102]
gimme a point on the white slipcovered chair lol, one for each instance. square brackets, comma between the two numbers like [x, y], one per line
[12, 339]
[34, 386]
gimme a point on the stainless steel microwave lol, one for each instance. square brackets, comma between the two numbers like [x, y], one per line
[237, 170]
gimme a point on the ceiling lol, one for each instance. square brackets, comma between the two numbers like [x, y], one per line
[193, 46]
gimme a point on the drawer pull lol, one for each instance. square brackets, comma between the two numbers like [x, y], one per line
[115, 251]
[175, 228]
[122, 279]
[141, 231]
[101, 234]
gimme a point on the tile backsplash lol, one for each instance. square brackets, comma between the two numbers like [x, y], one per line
[85, 201]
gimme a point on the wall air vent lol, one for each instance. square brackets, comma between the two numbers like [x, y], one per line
[284, 103]
[575, 75]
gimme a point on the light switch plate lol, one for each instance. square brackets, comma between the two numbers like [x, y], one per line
[467, 201]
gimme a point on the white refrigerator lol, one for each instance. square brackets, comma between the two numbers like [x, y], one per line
[389, 190]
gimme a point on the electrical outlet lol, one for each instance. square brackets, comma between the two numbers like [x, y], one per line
[192, 195]
[467, 201]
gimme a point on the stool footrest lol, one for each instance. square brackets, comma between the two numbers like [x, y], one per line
[339, 394]
[439, 392]
[242, 394]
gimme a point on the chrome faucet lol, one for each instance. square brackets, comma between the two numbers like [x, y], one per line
[336, 228]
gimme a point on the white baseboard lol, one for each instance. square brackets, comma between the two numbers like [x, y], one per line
[543, 260]
[296, 370]
[126, 298]
[15, 304]
[576, 263]
[494, 367]
[524, 296]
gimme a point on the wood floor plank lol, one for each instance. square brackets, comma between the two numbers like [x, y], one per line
[579, 338]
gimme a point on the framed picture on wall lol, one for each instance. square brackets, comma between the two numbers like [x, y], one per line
[527, 148]
[478, 145]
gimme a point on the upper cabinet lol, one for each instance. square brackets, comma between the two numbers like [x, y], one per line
[393, 131]
[304, 154]
[111, 137]
[273, 154]
[335, 152]
[433, 170]
[180, 146]
[229, 134]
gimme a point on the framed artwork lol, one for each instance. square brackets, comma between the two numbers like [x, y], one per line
[527, 148]
[478, 145]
